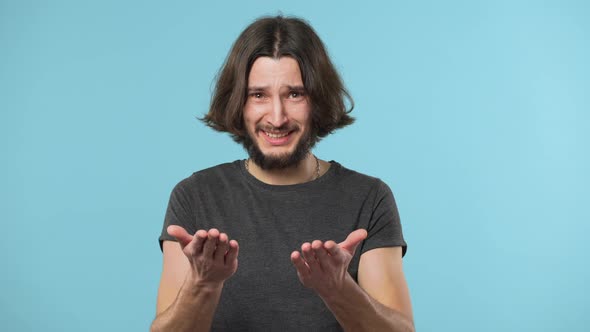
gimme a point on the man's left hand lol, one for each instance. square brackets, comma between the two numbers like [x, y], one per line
[323, 266]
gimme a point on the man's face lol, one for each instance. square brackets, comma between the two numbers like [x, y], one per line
[277, 114]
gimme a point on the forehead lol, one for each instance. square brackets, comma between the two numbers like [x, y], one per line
[267, 71]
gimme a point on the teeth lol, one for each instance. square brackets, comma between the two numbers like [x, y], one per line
[271, 135]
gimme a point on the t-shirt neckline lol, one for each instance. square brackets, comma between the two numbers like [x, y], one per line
[288, 187]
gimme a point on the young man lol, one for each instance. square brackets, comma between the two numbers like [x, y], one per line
[278, 94]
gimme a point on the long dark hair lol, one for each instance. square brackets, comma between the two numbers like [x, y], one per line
[277, 37]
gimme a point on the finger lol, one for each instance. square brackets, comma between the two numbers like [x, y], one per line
[353, 240]
[232, 253]
[319, 251]
[180, 234]
[211, 243]
[332, 248]
[196, 247]
[222, 247]
[299, 263]
[308, 255]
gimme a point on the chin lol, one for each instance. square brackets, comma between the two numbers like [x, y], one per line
[278, 157]
[278, 160]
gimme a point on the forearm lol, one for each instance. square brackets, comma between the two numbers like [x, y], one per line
[192, 310]
[356, 310]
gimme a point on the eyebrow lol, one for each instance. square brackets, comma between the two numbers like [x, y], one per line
[296, 87]
[262, 88]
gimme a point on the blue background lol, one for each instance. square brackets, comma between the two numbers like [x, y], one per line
[475, 113]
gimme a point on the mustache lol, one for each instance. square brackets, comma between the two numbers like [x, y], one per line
[286, 127]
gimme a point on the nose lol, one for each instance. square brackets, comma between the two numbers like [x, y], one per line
[278, 115]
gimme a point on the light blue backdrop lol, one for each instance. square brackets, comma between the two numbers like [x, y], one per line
[475, 113]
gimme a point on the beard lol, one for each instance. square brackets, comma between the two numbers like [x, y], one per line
[281, 161]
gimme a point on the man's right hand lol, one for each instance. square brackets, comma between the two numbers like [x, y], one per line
[212, 256]
[190, 288]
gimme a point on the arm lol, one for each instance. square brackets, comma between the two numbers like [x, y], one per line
[380, 302]
[193, 274]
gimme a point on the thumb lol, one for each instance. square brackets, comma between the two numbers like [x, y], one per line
[180, 234]
[353, 240]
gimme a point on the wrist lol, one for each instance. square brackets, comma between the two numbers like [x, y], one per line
[197, 285]
[340, 293]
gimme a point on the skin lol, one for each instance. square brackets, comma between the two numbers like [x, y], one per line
[195, 268]
[193, 274]
[379, 302]
[277, 102]
[322, 266]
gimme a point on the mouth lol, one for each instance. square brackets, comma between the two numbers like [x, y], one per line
[277, 138]
[276, 134]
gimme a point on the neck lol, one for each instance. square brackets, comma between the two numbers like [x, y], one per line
[305, 171]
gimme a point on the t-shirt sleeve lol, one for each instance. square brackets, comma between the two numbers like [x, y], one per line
[385, 229]
[179, 212]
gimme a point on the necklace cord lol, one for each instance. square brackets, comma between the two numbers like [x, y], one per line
[317, 166]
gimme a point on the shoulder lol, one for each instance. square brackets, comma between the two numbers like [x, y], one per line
[210, 176]
[361, 182]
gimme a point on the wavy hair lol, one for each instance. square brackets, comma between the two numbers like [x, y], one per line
[277, 37]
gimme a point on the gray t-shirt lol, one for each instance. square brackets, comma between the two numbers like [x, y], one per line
[270, 222]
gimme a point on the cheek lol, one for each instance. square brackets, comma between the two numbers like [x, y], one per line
[303, 116]
[253, 113]
[252, 118]
[249, 115]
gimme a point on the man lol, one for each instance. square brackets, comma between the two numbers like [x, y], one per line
[278, 94]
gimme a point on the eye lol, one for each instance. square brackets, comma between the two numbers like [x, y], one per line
[256, 95]
[295, 94]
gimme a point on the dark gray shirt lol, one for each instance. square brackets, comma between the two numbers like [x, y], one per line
[270, 222]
